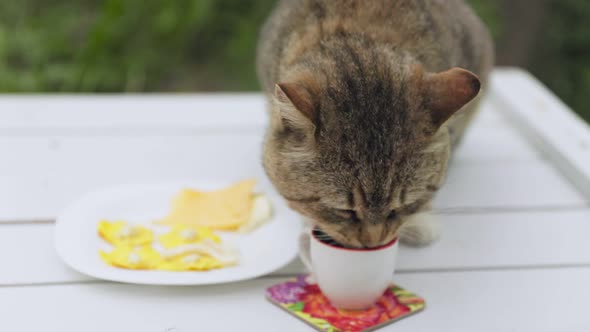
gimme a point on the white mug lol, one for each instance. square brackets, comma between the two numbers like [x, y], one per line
[352, 279]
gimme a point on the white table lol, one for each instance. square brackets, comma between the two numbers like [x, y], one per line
[514, 254]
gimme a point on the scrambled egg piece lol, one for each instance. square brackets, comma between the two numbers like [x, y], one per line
[225, 209]
[190, 262]
[121, 233]
[207, 250]
[147, 258]
[136, 258]
[182, 234]
[186, 248]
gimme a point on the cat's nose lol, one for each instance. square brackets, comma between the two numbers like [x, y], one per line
[371, 235]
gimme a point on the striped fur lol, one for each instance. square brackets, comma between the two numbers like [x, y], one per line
[359, 139]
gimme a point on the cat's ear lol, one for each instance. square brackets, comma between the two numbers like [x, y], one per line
[295, 104]
[447, 92]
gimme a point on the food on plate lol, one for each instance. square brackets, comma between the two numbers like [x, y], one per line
[182, 248]
[190, 262]
[182, 234]
[135, 258]
[122, 233]
[186, 240]
[204, 255]
[260, 214]
[224, 254]
[225, 209]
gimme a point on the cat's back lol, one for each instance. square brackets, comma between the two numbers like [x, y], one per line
[439, 33]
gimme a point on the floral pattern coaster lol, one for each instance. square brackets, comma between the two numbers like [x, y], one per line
[307, 302]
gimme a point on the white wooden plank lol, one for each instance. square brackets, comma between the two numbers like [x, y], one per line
[135, 111]
[470, 241]
[145, 111]
[125, 115]
[48, 172]
[29, 256]
[483, 143]
[497, 186]
[479, 241]
[490, 137]
[470, 187]
[562, 134]
[497, 301]
[497, 144]
[488, 114]
[498, 240]
[490, 301]
[45, 173]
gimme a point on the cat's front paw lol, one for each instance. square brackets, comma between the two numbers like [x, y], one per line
[421, 229]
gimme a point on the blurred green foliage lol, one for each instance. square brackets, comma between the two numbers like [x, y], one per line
[206, 45]
[128, 45]
[563, 61]
[489, 11]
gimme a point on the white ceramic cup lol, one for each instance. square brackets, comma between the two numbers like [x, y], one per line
[352, 279]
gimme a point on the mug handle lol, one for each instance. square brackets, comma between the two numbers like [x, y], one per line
[305, 255]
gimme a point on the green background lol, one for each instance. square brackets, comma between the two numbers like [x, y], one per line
[209, 45]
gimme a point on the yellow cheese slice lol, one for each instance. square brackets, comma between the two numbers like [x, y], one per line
[225, 209]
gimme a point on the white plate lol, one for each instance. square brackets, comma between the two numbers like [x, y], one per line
[263, 251]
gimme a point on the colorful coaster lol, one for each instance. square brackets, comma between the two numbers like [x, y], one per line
[307, 303]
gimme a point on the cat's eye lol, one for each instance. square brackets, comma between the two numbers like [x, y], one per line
[347, 214]
[392, 215]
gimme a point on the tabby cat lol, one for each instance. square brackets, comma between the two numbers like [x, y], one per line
[367, 99]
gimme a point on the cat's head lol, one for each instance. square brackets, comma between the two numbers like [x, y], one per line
[358, 152]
